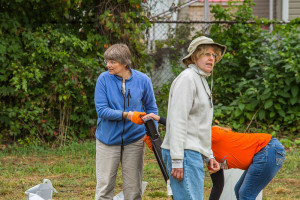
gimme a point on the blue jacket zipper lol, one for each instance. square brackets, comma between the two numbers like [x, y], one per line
[128, 96]
[124, 97]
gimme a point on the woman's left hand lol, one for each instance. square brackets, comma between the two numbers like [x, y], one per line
[214, 165]
[151, 115]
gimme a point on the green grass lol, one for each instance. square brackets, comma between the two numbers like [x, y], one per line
[72, 172]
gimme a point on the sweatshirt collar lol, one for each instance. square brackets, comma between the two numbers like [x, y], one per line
[198, 70]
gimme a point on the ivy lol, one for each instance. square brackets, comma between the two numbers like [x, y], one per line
[51, 53]
[258, 77]
[256, 84]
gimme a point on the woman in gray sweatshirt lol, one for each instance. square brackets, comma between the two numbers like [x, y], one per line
[190, 113]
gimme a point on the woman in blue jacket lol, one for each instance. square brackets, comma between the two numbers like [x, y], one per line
[120, 95]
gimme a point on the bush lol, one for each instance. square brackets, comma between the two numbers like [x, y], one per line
[49, 86]
[51, 54]
[256, 84]
[258, 79]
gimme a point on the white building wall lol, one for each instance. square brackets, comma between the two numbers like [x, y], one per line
[294, 9]
[161, 31]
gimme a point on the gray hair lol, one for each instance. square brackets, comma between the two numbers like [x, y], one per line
[119, 53]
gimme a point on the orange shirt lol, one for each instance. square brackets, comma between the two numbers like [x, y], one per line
[236, 150]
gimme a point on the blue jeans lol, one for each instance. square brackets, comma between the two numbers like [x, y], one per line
[265, 165]
[192, 184]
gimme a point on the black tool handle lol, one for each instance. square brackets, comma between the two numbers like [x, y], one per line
[156, 140]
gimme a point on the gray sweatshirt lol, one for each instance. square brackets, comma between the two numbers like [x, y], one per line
[190, 115]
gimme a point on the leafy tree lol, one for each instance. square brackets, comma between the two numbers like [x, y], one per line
[50, 52]
[257, 82]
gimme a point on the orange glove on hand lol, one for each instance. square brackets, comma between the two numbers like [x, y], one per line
[136, 117]
[147, 140]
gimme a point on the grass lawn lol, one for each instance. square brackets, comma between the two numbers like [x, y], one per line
[71, 170]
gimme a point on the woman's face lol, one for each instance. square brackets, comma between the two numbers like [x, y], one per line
[207, 61]
[115, 67]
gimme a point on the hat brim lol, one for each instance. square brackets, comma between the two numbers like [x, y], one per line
[222, 47]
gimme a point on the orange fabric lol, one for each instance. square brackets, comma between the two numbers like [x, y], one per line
[236, 150]
[136, 117]
[147, 140]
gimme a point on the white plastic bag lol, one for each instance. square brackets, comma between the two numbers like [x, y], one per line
[169, 189]
[231, 178]
[120, 196]
[41, 191]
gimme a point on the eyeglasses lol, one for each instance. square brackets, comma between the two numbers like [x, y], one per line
[111, 62]
[208, 55]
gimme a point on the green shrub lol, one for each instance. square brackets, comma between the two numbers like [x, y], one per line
[256, 84]
[258, 79]
[51, 54]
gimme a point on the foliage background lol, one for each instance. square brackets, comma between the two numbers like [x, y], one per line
[260, 73]
[256, 84]
[51, 53]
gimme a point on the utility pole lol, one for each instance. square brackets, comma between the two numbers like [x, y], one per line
[285, 10]
[206, 16]
[271, 10]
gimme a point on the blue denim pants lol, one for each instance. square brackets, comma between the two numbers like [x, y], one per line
[192, 184]
[265, 165]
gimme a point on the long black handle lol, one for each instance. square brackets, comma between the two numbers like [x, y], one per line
[156, 140]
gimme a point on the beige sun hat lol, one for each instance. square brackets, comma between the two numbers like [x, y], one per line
[203, 40]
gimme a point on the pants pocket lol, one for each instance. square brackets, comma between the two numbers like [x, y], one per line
[280, 156]
[193, 158]
[260, 157]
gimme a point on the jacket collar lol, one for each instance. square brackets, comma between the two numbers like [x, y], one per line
[198, 70]
[132, 75]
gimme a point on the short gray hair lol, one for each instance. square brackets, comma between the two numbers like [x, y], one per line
[119, 53]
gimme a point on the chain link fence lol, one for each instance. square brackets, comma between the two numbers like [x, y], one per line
[167, 42]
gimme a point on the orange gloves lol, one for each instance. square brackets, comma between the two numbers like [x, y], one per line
[136, 117]
[147, 140]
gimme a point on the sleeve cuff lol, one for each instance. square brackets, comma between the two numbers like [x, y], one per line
[177, 163]
[206, 159]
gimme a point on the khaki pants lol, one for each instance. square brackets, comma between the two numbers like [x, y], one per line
[107, 163]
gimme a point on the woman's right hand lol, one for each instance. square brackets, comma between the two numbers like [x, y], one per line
[177, 173]
[151, 115]
[136, 117]
[224, 128]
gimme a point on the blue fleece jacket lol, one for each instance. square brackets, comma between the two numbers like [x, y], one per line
[110, 103]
